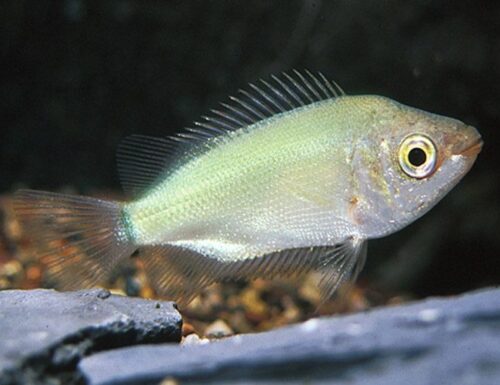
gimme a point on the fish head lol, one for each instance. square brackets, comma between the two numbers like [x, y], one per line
[419, 158]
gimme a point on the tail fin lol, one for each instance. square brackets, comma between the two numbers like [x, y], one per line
[79, 239]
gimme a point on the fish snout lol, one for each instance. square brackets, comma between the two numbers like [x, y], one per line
[470, 143]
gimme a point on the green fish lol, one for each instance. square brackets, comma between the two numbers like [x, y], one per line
[291, 176]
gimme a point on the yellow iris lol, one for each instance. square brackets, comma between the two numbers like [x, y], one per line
[417, 156]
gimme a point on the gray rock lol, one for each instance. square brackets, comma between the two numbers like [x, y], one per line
[44, 333]
[437, 341]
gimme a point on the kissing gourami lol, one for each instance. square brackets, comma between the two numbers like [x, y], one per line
[289, 177]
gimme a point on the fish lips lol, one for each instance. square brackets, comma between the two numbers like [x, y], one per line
[472, 150]
[470, 145]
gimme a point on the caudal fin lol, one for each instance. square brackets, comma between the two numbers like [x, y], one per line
[79, 239]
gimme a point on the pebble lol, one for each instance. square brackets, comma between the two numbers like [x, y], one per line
[218, 329]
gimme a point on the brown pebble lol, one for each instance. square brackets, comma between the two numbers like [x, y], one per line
[11, 269]
[194, 339]
[218, 329]
[240, 323]
[255, 307]
[187, 329]
[33, 273]
[169, 381]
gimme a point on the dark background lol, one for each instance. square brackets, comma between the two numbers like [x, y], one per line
[78, 76]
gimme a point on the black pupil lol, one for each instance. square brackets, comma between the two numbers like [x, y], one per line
[417, 157]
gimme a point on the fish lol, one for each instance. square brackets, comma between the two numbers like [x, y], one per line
[290, 176]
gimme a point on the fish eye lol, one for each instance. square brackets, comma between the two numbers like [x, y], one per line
[417, 156]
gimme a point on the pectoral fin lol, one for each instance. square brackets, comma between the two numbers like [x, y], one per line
[341, 264]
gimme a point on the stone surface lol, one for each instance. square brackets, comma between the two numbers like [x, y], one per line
[44, 333]
[437, 341]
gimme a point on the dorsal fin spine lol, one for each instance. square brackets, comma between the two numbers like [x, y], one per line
[308, 85]
[319, 85]
[268, 98]
[290, 92]
[224, 124]
[227, 117]
[279, 94]
[249, 108]
[300, 88]
[201, 132]
[259, 103]
[241, 113]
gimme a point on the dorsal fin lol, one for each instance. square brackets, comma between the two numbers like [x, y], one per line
[142, 160]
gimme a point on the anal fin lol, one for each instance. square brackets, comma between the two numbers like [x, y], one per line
[180, 273]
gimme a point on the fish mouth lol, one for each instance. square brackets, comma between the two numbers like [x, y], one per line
[472, 150]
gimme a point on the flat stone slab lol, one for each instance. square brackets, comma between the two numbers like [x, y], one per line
[44, 333]
[436, 341]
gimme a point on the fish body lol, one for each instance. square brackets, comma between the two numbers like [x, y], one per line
[249, 194]
[292, 178]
